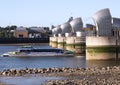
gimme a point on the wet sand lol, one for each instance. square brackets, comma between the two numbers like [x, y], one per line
[90, 76]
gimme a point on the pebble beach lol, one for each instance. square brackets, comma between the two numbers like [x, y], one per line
[73, 76]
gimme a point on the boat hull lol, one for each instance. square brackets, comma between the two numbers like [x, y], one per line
[44, 54]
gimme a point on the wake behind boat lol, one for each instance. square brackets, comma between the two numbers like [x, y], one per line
[29, 51]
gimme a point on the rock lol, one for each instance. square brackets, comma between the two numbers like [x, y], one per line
[108, 68]
[103, 68]
[5, 73]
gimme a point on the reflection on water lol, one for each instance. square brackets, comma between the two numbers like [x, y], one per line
[101, 63]
[101, 56]
[41, 62]
[100, 59]
[36, 80]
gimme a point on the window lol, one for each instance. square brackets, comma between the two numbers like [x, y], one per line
[20, 36]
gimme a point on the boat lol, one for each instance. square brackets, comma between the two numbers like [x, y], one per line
[29, 51]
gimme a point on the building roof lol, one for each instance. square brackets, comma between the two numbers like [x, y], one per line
[21, 28]
[37, 29]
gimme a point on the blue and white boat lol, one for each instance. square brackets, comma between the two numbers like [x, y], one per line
[29, 51]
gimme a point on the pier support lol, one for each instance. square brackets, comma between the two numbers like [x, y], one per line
[76, 44]
[53, 42]
[102, 48]
[61, 42]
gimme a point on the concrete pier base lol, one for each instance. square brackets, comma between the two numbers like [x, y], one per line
[102, 48]
[61, 43]
[53, 42]
[76, 44]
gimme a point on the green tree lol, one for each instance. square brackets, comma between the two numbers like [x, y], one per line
[2, 34]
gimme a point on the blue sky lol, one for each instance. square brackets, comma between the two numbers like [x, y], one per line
[48, 12]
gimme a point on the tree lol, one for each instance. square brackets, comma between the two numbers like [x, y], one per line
[2, 34]
[7, 31]
[13, 27]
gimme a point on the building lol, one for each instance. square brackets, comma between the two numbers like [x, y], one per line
[116, 26]
[90, 30]
[20, 32]
[31, 32]
[36, 32]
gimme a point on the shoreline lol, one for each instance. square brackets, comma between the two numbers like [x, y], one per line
[19, 44]
[74, 76]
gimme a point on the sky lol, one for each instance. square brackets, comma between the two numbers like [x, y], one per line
[52, 12]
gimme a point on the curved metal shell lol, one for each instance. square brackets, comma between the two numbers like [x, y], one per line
[59, 30]
[103, 22]
[66, 28]
[54, 31]
[76, 24]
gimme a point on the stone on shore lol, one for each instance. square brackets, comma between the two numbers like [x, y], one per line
[73, 76]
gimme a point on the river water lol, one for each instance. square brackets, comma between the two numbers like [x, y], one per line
[41, 62]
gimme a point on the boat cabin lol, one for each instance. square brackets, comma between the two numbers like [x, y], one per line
[31, 49]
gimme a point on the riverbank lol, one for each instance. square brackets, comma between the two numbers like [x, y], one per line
[72, 76]
[19, 44]
[23, 40]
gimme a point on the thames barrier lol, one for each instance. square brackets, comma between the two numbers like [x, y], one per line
[103, 38]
